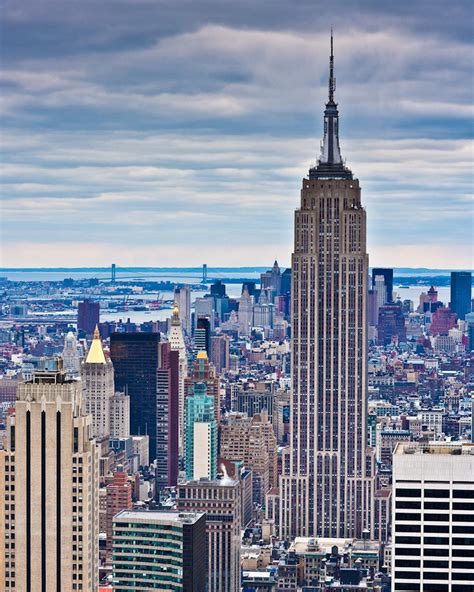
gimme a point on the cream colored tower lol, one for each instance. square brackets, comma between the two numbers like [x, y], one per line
[327, 485]
[98, 380]
[51, 486]
[176, 338]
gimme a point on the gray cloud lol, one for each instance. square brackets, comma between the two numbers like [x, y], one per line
[184, 123]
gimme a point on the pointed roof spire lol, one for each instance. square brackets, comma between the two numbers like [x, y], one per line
[332, 80]
[96, 352]
[330, 164]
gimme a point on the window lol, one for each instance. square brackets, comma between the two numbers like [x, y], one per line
[408, 540]
[437, 493]
[407, 575]
[436, 505]
[435, 563]
[463, 506]
[436, 540]
[437, 552]
[408, 492]
[406, 516]
[407, 563]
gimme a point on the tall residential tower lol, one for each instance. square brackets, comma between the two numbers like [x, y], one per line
[327, 485]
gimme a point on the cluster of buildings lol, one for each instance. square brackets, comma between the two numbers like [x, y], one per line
[312, 434]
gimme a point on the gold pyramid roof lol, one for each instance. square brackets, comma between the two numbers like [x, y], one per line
[96, 353]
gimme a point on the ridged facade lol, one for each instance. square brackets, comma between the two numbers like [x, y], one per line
[327, 487]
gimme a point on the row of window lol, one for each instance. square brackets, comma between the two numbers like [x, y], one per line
[436, 575]
[435, 563]
[436, 528]
[437, 493]
[411, 540]
[431, 587]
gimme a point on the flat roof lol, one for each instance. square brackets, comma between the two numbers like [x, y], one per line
[157, 516]
[203, 482]
[454, 448]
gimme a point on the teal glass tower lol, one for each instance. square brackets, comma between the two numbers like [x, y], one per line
[200, 435]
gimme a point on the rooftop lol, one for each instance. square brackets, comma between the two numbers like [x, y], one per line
[445, 448]
[157, 516]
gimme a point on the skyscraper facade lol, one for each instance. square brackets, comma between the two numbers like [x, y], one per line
[461, 293]
[51, 487]
[433, 509]
[167, 418]
[87, 316]
[118, 498]
[391, 324]
[202, 335]
[70, 355]
[159, 551]
[120, 416]
[327, 487]
[201, 435]
[98, 381]
[245, 312]
[220, 352]
[221, 502]
[182, 299]
[470, 332]
[387, 275]
[176, 339]
[252, 440]
[271, 279]
[203, 371]
[135, 357]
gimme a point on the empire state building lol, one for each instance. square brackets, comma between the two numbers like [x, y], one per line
[327, 485]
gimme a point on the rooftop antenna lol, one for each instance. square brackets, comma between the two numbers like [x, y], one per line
[332, 80]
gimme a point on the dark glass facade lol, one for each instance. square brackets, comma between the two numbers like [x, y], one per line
[461, 293]
[135, 357]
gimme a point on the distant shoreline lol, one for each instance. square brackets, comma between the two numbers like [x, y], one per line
[413, 270]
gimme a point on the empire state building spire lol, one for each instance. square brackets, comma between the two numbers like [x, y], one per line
[327, 486]
[330, 164]
[332, 80]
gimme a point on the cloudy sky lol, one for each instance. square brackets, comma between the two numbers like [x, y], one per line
[177, 132]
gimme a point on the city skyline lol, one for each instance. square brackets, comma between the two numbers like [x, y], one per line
[195, 135]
